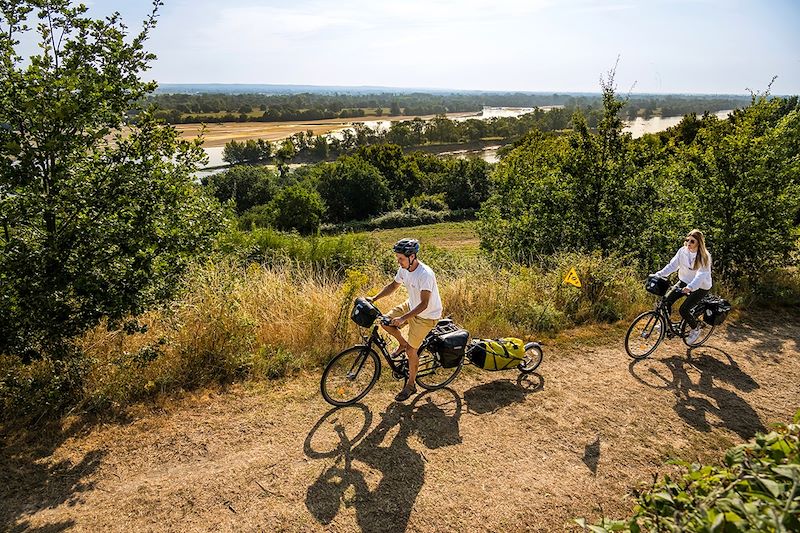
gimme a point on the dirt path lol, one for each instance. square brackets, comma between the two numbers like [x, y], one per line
[489, 454]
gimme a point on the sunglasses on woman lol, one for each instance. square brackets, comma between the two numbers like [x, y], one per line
[690, 240]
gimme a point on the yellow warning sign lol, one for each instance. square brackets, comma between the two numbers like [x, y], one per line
[572, 278]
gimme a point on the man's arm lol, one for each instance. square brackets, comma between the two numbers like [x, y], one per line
[386, 291]
[425, 297]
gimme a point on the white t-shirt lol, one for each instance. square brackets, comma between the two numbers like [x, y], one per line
[683, 262]
[421, 279]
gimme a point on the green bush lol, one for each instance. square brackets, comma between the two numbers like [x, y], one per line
[757, 488]
[40, 389]
[401, 218]
[431, 202]
[297, 208]
[244, 185]
[407, 217]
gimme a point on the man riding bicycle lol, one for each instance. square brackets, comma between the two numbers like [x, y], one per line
[421, 311]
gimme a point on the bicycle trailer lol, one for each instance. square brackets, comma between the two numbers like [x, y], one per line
[496, 354]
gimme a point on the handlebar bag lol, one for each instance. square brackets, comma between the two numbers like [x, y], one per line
[364, 313]
[656, 285]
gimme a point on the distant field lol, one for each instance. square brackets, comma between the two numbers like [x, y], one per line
[219, 134]
[453, 236]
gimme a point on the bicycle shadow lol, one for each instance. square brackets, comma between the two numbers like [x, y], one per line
[432, 416]
[495, 395]
[30, 482]
[769, 337]
[695, 401]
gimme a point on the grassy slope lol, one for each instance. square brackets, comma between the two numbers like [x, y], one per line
[452, 236]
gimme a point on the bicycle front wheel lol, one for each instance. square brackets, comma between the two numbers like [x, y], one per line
[644, 335]
[431, 375]
[350, 376]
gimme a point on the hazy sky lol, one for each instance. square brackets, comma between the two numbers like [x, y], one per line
[703, 46]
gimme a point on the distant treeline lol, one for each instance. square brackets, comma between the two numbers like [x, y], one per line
[215, 107]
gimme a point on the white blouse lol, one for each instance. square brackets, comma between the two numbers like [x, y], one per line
[683, 262]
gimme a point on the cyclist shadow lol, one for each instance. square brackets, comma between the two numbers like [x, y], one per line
[433, 417]
[770, 336]
[695, 401]
[495, 395]
[32, 479]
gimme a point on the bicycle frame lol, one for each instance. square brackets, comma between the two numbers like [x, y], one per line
[673, 328]
[399, 367]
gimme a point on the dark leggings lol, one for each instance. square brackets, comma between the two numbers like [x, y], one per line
[694, 297]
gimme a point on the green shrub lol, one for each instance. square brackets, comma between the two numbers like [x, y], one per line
[401, 218]
[407, 217]
[431, 202]
[755, 489]
[40, 389]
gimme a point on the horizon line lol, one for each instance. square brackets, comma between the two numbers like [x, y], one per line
[439, 89]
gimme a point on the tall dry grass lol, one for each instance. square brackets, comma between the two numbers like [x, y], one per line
[262, 322]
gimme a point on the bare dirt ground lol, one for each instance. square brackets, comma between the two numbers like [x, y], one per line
[220, 134]
[490, 454]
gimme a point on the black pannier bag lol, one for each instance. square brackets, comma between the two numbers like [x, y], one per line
[364, 313]
[656, 285]
[451, 347]
[715, 309]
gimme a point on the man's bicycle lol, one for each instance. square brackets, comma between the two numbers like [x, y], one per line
[351, 374]
[649, 329]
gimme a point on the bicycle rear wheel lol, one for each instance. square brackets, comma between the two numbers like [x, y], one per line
[431, 374]
[705, 333]
[644, 335]
[350, 376]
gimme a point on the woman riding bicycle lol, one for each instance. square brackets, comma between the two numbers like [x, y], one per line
[693, 263]
[421, 311]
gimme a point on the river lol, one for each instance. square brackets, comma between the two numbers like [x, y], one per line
[637, 128]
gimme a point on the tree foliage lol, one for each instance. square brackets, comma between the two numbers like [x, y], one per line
[735, 179]
[249, 151]
[747, 181]
[246, 186]
[98, 220]
[297, 208]
[353, 189]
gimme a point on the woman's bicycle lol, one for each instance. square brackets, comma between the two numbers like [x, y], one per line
[649, 329]
[351, 374]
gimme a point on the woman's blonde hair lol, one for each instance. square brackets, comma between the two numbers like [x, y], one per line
[702, 258]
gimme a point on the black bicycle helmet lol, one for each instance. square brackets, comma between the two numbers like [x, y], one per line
[406, 247]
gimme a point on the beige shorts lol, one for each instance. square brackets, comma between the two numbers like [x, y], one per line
[418, 327]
